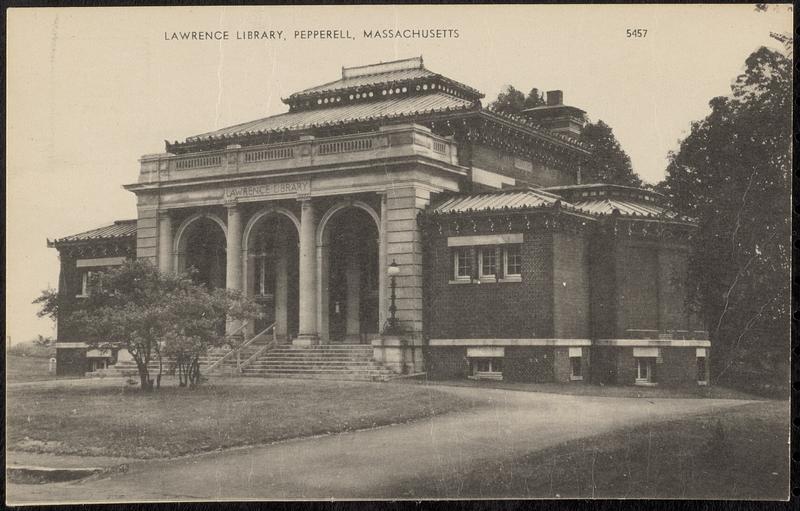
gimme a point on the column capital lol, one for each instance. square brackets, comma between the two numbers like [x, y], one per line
[231, 203]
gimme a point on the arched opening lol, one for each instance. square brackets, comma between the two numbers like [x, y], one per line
[202, 250]
[351, 246]
[272, 273]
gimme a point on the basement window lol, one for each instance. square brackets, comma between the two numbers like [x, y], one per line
[575, 364]
[486, 368]
[702, 367]
[645, 370]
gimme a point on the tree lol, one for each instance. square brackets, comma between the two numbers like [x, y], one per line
[513, 101]
[137, 308]
[198, 317]
[732, 173]
[609, 163]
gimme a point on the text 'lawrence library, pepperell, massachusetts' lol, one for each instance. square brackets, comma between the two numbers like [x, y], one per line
[391, 198]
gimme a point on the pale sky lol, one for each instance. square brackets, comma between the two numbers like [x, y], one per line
[91, 90]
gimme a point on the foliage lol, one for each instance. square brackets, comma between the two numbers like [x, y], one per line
[513, 101]
[199, 319]
[150, 314]
[732, 173]
[609, 163]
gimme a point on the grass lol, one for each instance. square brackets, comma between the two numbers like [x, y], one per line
[108, 419]
[741, 453]
[21, 368]
[588, 389]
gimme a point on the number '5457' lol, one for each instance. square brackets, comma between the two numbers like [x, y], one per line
[636, 32]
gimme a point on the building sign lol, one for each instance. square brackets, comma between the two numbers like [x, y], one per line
[268, 190]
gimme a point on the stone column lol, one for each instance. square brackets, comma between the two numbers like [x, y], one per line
[233, 258]
[353, 284]
[281, 288]
[308, 333]
[383, 301]
[165, 254]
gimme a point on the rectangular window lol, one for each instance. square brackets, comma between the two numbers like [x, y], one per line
[86, 278]
[512, 262]
[645, 370]
[487, 263]
[462, 263]
[702, 379]
[575, 368]
[487, 368]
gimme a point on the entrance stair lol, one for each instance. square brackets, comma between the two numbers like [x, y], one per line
[322, 362]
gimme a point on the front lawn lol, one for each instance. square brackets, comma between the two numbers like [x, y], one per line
[591, 389]
[111, 419]
[21, 368]
[739, 453]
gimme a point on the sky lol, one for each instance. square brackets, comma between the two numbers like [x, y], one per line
[91, 90]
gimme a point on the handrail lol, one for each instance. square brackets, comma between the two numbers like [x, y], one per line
[238, 349]
[257, 354]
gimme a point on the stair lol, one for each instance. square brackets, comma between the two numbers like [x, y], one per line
[323, 362]
[228, 366]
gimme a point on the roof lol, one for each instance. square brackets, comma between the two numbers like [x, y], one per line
[119, 229]
[492, 201]
[394, 108]
[379, 74]
[606, 206]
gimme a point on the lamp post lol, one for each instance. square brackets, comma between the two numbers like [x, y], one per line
[393, 271]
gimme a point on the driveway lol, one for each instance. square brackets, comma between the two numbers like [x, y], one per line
[378, 463]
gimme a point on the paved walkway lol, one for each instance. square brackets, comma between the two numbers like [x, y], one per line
[378, 463]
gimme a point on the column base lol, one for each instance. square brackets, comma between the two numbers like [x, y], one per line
[305, 340]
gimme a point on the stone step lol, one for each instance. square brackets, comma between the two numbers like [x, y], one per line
[314, 371]
[336, 377]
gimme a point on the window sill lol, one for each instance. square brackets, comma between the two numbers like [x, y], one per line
[511, 278]
[487, 376]
[576, 378]
[460, 281]
[702, 383]
[645, 383]
[487, 279]
[81, 296]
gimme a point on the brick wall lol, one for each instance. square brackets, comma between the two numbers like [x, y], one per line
[570, 286]
[529, 364]
[444, 363]
[506, 310]
[679, 367]
[604, 365]
[639, 289]
[71, 362]
[603, 287]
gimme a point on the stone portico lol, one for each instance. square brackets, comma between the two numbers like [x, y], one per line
[382, 180]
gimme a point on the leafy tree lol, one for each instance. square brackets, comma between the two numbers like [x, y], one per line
[732, 173]
[513, 101]
[149, 313]
[609, 163]
[199, 316]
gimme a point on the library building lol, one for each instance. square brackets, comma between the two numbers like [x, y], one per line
[388, 224]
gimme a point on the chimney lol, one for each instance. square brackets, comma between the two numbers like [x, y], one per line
[555, 97]
[556, 116]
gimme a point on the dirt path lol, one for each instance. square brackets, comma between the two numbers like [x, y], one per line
[379, 463]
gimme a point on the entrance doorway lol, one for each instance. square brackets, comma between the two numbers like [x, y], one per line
[272, 274]
[352, 277]
[204, 253]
